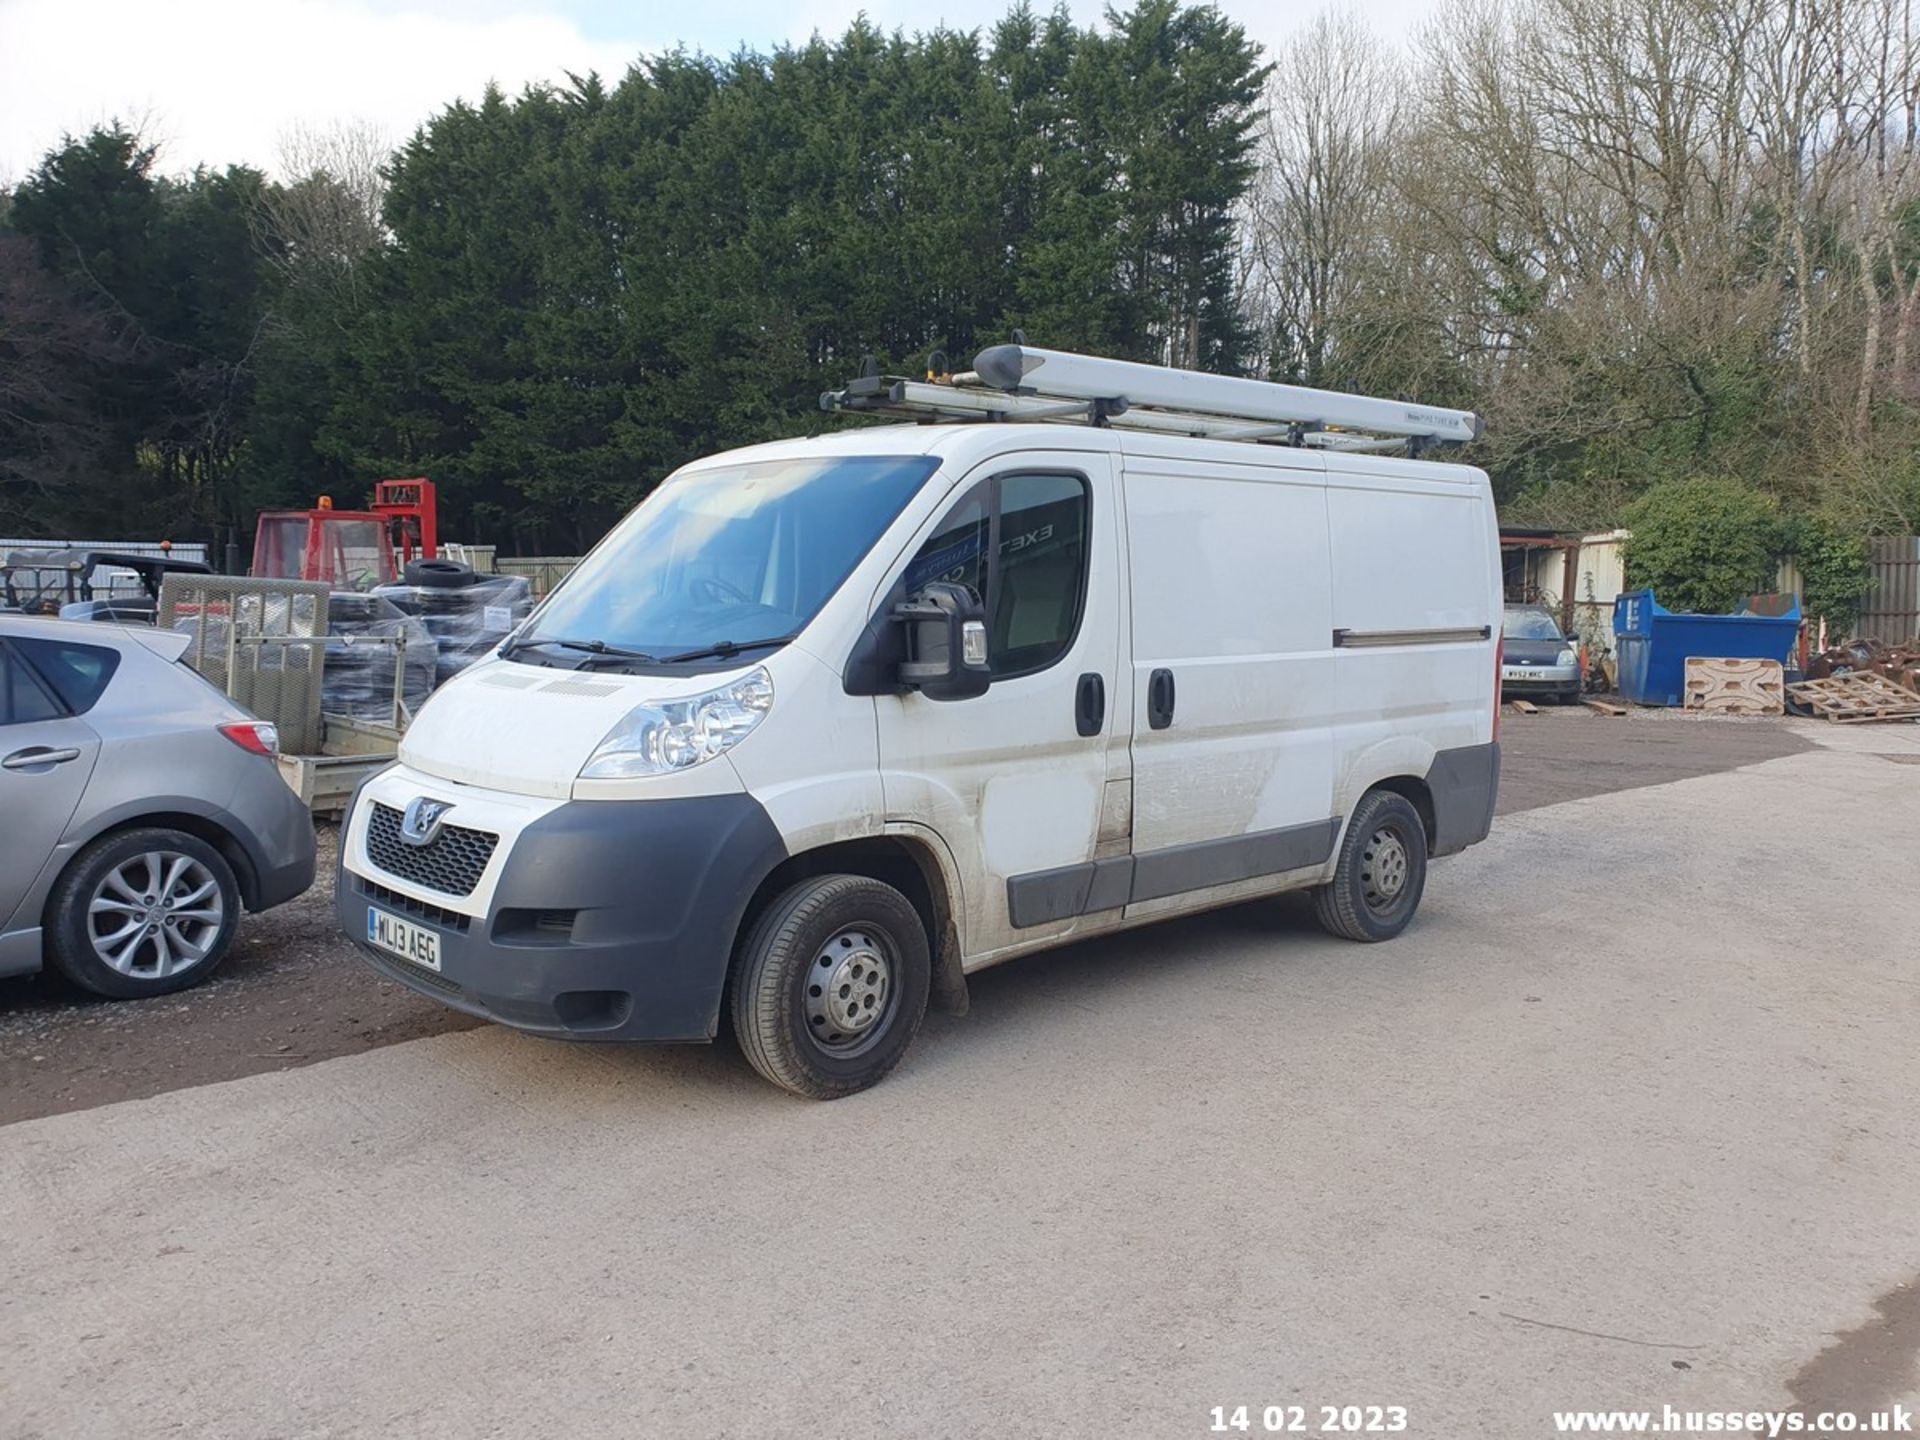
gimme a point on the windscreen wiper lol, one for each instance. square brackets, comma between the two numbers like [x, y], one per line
[592, 647]
[724, 648]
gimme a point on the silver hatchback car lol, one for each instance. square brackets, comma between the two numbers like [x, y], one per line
[140, 809]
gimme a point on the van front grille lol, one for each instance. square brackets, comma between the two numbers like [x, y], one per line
[452, 862]
[421, 910]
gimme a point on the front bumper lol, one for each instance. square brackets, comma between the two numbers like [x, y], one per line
[609, 920]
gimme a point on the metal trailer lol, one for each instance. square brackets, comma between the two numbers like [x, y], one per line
[264, 643]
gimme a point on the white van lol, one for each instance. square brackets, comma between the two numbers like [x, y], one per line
[825, 725]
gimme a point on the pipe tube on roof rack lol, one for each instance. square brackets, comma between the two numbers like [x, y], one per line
[1057, 374]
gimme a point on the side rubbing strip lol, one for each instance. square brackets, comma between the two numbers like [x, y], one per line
[1238, 857]
[1087, 889]
[1364, 639]
[1048, 895]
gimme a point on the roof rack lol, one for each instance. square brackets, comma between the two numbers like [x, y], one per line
[1023, 383]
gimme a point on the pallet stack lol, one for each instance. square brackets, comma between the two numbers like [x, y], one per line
[1857, 697]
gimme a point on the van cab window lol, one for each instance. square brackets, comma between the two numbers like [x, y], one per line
[1036, 584]
[957, 551]
[730, 559]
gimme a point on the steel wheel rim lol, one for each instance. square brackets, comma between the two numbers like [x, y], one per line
[1385, 868]
[155, 915]
[850, 991]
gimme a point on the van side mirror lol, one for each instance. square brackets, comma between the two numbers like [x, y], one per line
[946, 634]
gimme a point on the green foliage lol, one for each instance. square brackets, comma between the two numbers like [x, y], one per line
[1834, 572]
[172, 279]
[579, 289]
[585, 288]
[1702, 543]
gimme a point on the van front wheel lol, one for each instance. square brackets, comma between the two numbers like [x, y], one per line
[1381, 872]
[830, 985]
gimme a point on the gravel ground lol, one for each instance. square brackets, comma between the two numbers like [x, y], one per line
[294, 992]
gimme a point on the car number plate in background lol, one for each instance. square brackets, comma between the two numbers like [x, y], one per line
[403, 938]
[1510, 673]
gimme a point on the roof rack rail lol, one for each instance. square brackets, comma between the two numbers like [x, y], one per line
[1024, 383]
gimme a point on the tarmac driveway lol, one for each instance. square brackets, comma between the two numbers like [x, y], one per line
[1626, 1119]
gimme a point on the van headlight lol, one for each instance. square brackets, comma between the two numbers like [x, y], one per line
[1568, 656]
[666, 735]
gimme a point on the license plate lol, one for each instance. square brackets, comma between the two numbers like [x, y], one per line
[1512, 673]
[403, 938]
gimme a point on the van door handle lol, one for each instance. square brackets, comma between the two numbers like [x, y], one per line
[1090, 704]
[1160, 700]
[34, 756]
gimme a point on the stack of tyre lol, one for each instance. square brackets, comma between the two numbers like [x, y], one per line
[467, 613]
[367, 638]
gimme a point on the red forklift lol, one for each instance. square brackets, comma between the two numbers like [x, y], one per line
[350, 549]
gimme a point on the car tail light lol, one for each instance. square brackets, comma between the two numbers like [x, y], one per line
[1499, 653]
[256, 737]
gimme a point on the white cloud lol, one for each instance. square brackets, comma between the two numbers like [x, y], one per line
[218, 81]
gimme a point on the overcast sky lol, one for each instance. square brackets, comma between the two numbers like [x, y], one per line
[218, 81]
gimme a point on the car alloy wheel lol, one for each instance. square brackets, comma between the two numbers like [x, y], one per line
[155, 915]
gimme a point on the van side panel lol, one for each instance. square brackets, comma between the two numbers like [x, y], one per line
[1232, 598]
[1416, 606]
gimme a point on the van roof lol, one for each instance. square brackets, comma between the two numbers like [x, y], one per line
[966, 443]
[912, 439]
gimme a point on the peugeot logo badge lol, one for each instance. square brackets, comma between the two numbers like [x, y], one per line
[420, 821]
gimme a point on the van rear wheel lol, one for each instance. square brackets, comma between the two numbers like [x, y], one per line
[1381, 872]
[830, 985]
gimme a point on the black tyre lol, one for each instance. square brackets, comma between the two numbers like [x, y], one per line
[144, 912]
[1381, 872]
[440, 574]
[830, 985]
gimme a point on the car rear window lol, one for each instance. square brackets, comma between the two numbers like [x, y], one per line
[78, 674]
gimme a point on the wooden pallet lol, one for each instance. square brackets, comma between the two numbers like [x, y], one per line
[1734, 687]
[1857, 697]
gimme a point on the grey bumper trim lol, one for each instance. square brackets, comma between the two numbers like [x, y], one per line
[1464, 784]
[1089, 888]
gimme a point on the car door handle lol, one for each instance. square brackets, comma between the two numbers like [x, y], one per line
[34, 756]
[1090, 704]
[1160, 700]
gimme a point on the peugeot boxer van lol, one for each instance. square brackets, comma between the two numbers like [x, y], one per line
[826, 725]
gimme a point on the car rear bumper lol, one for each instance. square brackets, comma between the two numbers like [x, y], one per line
[610, 920]
[20, 952]
[275, 830]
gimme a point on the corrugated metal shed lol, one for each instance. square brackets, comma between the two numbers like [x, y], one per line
[1892, 610]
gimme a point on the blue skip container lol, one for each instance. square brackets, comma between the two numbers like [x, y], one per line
[1652, 643]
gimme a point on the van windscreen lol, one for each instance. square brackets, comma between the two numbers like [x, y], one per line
[730, 556]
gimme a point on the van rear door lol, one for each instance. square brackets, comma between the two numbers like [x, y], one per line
[1232, 667]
